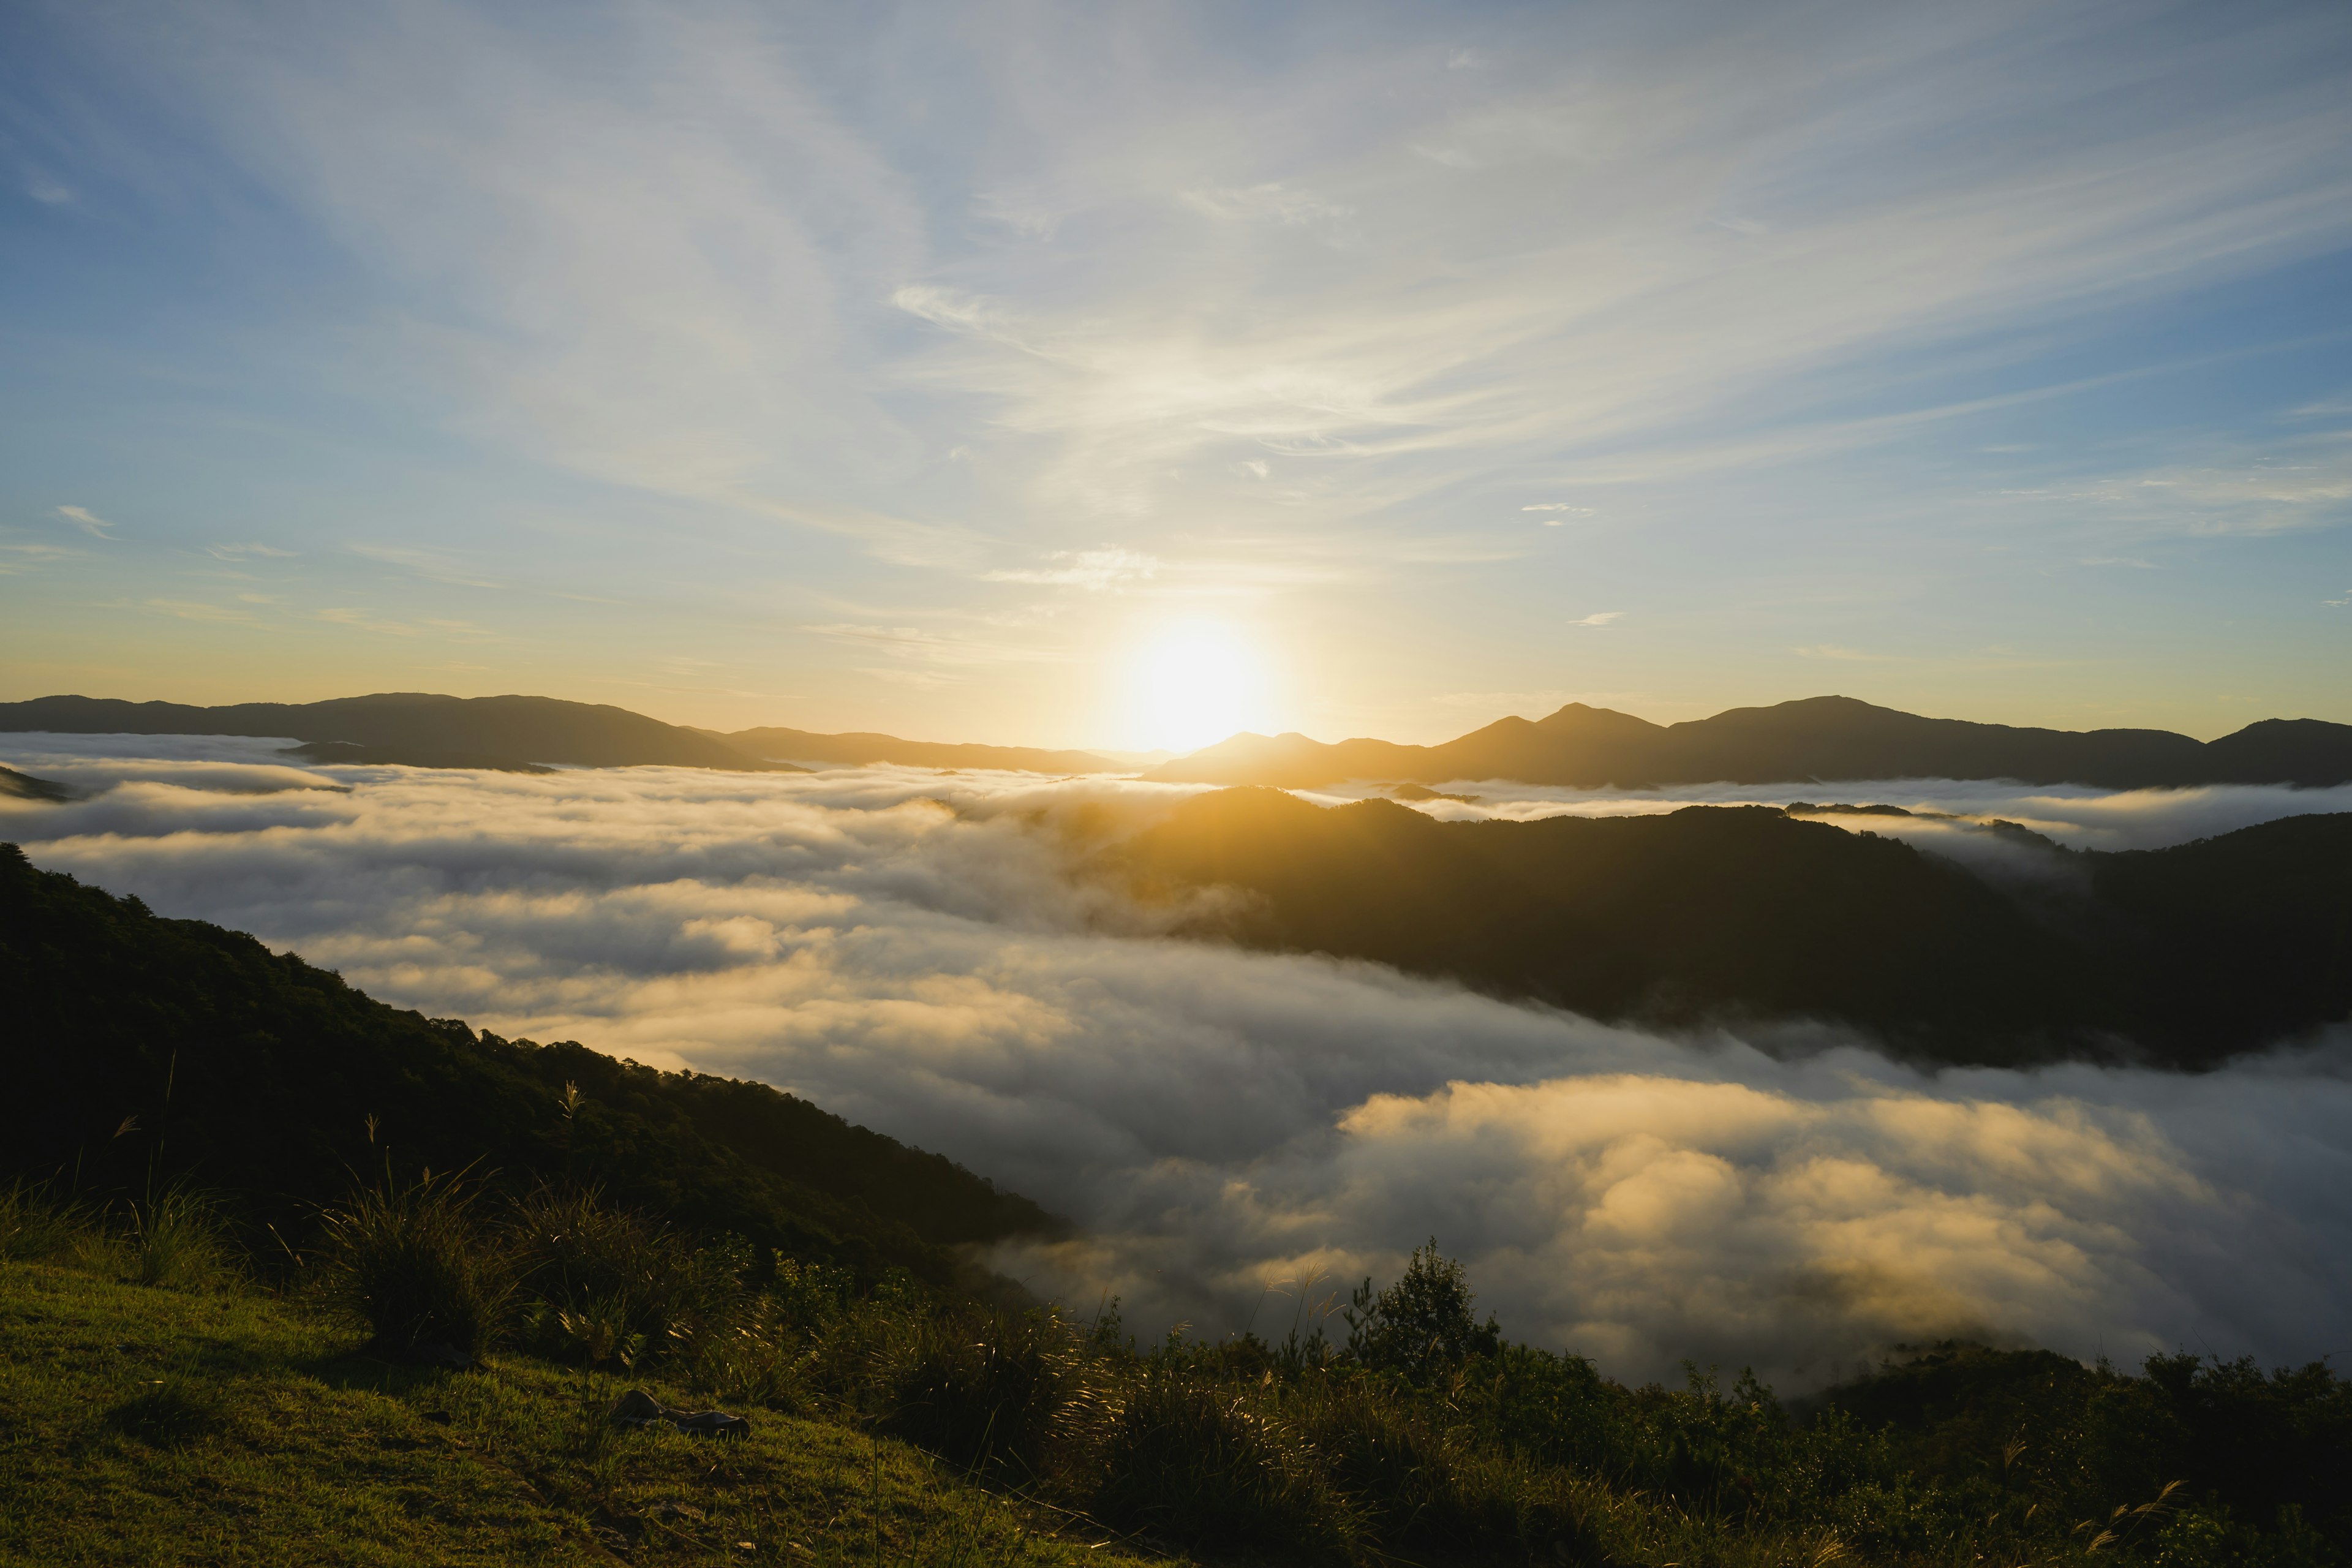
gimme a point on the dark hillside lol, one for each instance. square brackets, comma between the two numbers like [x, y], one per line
[274, 1070]
[1812, 738]
[410, 726]
[1736, 913]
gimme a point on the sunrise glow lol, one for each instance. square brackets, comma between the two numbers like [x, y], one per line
[1196, 683]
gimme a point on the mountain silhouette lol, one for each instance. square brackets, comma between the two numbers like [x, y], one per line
[857, 749]
[413, 727]
[1745, 914]
[1814, 738]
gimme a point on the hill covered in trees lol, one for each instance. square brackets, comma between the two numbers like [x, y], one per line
[1814, 738]
[147, 1048]
[1745, 913]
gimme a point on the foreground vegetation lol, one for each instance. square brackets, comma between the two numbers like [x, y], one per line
[431, 1381]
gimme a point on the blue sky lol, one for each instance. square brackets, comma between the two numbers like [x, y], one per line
[974, 371]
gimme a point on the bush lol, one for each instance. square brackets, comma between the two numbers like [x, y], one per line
[416, 1266]
[1192, 1457]
[1422, 1324]
[985, 1389]
[612, 1284]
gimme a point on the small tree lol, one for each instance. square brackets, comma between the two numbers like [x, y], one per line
[1423, 1323]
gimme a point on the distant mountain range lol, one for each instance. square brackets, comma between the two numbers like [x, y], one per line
[1818, 738]
[413, 727]
[517, 734]
[1742, 915]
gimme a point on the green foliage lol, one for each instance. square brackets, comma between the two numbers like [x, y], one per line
[1189, 1456]
[37, 1223]
[176, 1240]
[415, 1263]
[1421, 1325]
[988, 1390]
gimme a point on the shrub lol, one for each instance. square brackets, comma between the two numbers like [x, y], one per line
[1191, 1458]
[1423, 1323]
[984, 1389]
[612, 1284]
[415, 1263]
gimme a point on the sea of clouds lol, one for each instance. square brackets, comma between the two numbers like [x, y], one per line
[1239, 1135]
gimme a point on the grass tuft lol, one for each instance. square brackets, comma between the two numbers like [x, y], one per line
[985, 1390]
[177, 1242]
[171, 1412]
[416, 1264]
[36, 1223]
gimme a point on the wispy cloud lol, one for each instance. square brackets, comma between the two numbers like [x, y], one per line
[199, 610]
[1601, 618]
[1840, 654]
[1275, 200]
[88, 522]
[368, 621]
[936, 648]
[245, 551]
[21, 555]
[437, 566]
[1093, 569]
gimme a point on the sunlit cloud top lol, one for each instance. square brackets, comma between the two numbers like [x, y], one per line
[918, 368]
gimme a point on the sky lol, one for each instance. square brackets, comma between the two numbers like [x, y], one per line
[1127, 376]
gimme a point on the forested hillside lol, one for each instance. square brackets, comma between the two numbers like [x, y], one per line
[144, 1047]
[1750, 913]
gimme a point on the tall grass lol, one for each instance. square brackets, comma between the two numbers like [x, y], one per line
[416, 1264]
[607, 1284]
[1189, 1456]
[178, 1242]
[38, 1223]
[988, 1390]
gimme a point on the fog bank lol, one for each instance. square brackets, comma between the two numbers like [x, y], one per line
[907, 948]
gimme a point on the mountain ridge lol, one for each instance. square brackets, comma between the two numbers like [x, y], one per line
[416, 727]
[1754, 915]
[1808, 739]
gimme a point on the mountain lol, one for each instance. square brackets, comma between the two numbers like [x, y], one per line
[1815, 737]
[1748, 914]
[147, 1047]
[412, 727]
[24, 787]
[802, 747]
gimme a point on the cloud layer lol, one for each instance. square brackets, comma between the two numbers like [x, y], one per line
[909, 949]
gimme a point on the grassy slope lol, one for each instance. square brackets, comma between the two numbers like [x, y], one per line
[152, 1426]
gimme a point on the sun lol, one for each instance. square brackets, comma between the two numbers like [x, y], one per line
[1195, 684]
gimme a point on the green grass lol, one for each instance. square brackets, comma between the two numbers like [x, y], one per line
[149, 1426]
